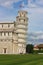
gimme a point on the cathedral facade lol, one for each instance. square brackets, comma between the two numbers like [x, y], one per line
[13, 35]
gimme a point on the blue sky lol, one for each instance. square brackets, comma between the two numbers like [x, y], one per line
[9, 9]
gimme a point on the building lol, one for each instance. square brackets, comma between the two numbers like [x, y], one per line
[35, 47]
[13, 35]
[40, 46]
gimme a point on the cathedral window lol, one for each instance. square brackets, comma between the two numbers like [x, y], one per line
[17, 33]
[8, 25]
[19, 19]
[8, 33]
[2, 25]
[24, 20]
[4, 34]
[1, 33]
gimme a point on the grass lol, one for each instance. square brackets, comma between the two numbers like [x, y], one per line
[30, 59]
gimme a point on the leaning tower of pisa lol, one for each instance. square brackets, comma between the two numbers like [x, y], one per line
[22, 22]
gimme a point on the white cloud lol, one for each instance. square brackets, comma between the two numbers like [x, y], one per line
[31, 5]
[36, 35]
[40, 2]
[34, 4]
[34, 10]
[7, 3]
[38, 32]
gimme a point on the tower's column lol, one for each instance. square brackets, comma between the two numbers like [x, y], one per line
[22, 22]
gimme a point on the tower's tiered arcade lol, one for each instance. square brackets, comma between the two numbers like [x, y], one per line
[22, 22]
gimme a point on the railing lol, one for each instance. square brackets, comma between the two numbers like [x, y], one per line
[23, 23]
[7, 29]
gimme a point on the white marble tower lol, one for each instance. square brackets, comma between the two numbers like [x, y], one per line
[22, 22]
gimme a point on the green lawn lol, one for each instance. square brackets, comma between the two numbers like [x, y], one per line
[30, 59]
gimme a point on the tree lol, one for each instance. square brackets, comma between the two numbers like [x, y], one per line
[29, 48]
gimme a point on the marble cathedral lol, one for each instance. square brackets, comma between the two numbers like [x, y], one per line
[13, 35]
